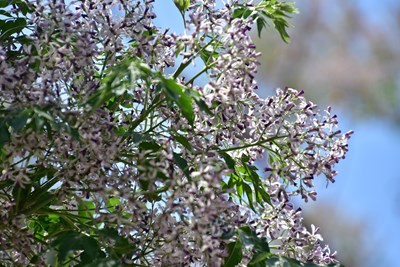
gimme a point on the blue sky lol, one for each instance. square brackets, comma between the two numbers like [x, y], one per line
[368, 184]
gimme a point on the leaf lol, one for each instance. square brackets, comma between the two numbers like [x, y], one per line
[228, 234]
[153, 146]
[4, 134]
[245, 158]
[116, 83]
[203, 106]
[20, 196]
[231, 182]
[69, 241]
[249, 194]
[275, 11]
[86, 210]
[242, 12]
[103, 263]
[111, 203]
[39, 200]
[265, 196]
[20, 120]
[261, 24]
[199, 99]
[259, 258]
[234, 254]
[5, 3]
[108, 233]
[230, 162]
[24, 7]
[249, 174]
[137, 137]
[182, 164]
[122, 246]
[176, 94]
[183, 141]
[239, 189]
[12, 26]
[5, 13]
[249, 238]
[34, 259]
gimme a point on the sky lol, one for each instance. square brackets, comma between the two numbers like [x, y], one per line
[368, 184]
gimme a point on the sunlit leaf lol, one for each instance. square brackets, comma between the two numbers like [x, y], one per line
[86, 210]
[176, 93]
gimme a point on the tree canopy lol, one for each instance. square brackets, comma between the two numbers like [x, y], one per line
[111, 156]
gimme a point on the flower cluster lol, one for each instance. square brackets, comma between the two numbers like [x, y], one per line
[105, 159]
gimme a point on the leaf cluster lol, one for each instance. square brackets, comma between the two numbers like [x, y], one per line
[273, 10]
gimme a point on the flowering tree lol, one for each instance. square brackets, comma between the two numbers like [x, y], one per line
[108, 160]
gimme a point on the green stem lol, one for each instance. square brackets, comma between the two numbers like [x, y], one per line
[155, 126]
[104, 66]
[252, 144]
[183, 66]
[143, 115]
[201, 72]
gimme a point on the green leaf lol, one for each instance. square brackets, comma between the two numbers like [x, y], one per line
[12, 26]
[250, 239]
[20, 120]
[5, 13]
[234, 254]
[206, 56]
[108, 233]
[4, 134]
[34, 259]
[153, 146]
[245, 158]
[69, 241]
[229, 234]
[111, 203]
[231, 183]
[137, 137]
[5, 3]
[103, 263]
[25, 8]
[265, 196]
[122, 246]
[116, 83]
[86, 210]
[183, 141]
[239, 189]
[176, 94]
[242, 11]
[249, 194]
[259, 258]
[261, 24]
[275, 11]
[199, 99]
[182, 164]
[20, 196]
[230, 162]
[38, 199]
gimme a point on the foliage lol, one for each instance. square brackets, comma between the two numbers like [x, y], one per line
[330, 53]
[106, 160]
